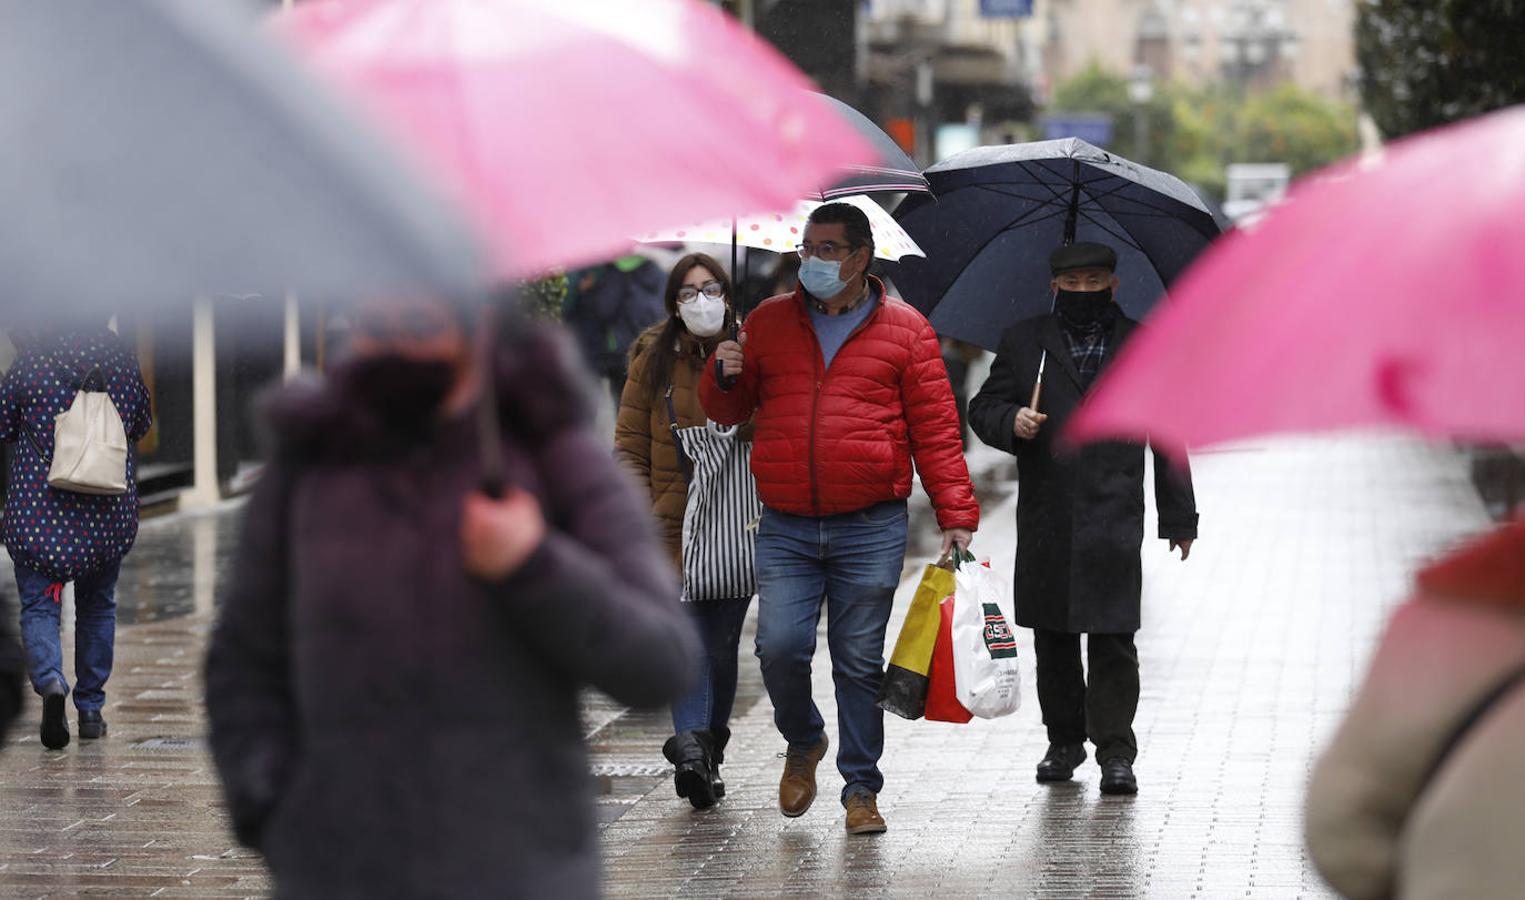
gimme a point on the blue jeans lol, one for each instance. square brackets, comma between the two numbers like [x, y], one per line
[94, 633]
[853, 563]
[708, 705]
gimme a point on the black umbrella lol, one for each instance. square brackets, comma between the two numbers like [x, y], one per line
[1000, 211]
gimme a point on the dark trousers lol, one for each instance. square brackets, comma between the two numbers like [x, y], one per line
[1103, 710]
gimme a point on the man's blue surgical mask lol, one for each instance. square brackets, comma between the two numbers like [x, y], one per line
[821, 278]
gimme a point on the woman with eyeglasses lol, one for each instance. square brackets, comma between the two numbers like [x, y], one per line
[662, 396]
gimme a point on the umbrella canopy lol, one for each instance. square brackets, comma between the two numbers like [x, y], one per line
[567, 127]
[1390, 292]
[161, 148]
[781, 232]
[1000, 211]
[892, 170]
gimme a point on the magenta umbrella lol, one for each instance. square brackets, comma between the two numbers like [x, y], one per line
[565, 126]
[1387, 292]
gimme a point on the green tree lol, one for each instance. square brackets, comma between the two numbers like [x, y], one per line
[1096, 90]
[1194, 133]
[1428, 62]
[542, 298]
[1294, 126]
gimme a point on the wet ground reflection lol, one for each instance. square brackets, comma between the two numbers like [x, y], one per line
[177, 566]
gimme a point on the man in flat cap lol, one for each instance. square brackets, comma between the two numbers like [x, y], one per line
[1080, 516]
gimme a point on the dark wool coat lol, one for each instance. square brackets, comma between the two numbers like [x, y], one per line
[386, 726]
[61, 534]
[1080, 517]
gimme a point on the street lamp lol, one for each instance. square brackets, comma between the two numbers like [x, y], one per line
[1141, 92]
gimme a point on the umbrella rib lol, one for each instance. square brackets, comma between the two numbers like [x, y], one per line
[995, 189]
[1058, 194]
[1163, 213]
[1125, 237]
[996, 234]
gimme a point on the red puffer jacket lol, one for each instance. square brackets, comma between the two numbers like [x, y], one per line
[840, 440]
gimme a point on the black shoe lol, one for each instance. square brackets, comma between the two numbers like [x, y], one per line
[689, 753]
[720, 736]
[55, 728]
[1117, 777]
[1060, 763]
[91, 725]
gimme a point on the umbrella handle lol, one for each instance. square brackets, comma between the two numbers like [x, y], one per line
[1037, 393]
[725, 381]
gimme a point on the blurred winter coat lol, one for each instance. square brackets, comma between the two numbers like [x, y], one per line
[643, 438]
[384, 724]
[609, 306]
[838, 440]
[1421, 793]
[61, 534]
[1080, 514]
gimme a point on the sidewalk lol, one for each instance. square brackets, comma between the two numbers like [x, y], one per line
[1249, 652]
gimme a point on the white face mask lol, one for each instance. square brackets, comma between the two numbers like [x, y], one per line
[703, 316]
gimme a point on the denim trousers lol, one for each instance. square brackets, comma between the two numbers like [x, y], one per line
[707, 705]
[852, 563]
[94, 632]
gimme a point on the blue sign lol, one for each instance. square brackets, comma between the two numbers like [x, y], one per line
[1006, 9]
[1093, 128]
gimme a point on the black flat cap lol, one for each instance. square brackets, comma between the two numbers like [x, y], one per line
[1083, 255]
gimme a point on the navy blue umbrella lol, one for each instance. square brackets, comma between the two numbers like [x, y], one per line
[999, 211]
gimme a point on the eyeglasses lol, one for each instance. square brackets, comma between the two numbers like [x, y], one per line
[711, 289]
[825, 250]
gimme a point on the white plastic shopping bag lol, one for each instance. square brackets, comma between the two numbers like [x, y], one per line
[984, 645]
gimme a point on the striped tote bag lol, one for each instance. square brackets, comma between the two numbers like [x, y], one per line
[720, 521]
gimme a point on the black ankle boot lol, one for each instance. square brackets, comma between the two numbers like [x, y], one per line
[55, 726]
[689, 752]
[720, 737]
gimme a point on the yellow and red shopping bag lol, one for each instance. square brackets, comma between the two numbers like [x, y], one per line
[942, 688]
[904, 690]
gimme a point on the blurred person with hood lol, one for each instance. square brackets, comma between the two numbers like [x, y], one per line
[1421, 791]
[57, 536]
[393, 679]
[662, 396]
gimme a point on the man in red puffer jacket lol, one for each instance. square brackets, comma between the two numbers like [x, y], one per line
[846, 387]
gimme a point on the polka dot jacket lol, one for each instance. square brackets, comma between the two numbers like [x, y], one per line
[62, 534]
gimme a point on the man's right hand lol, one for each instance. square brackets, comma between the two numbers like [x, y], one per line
[730, 355]
[1028, 422]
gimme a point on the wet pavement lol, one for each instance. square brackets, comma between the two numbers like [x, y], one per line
[1249, 653]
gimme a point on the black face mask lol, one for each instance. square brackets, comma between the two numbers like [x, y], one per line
[404, 395]
[1086, 310]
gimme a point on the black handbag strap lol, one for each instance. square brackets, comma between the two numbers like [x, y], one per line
[684, 463]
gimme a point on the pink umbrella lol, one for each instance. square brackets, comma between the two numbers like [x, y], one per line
[566, 126]
[1388, 292]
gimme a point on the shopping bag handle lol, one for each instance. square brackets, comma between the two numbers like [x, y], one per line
[955, 558]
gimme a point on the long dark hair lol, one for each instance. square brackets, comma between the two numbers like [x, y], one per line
[661, 340]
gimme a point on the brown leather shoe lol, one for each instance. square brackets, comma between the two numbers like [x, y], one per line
[863, 814]
[796, 790]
